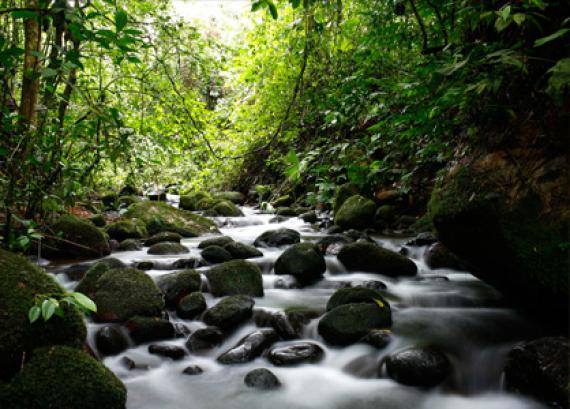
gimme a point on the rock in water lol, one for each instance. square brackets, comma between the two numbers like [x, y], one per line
[146, 329]
[235, 277]
[168, 248]
[262, 378]
[230, 312]
[216, 254]
[357, 212]
[242, 251]
[215, 241]
[348, 323]
[192, 370]
[355, 295]
[296, 354]
[168, 351]
[249, 347]
[303, 261]
[539, 368]
[418, 367]
[277, 238]
[191, 305]
[110, 341]
[204, 338]
[126, 229]
[364, 256]
[163, 237]
[439, 256]
[175, 286]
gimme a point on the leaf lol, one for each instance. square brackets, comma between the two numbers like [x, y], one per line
[24, 14]
[295, 3]
[519, 18]
[48, 73]
[34, 314]
[48, 308]
[551, 37]
[379, 302]
[272, 9]
[256, 5]
[84, 301]
[121, 20]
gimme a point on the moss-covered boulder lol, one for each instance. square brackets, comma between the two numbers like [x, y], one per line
[215, 241]
[283, 201]
[304, 261]
[129, 245]
[126, 229]
[277, 238]
[88, 283]
[286, 212]
[230, 312]
[179, 284]
[75, 238]
[512, 232]
[98, 220]
[234, 197]
[20, 282]
[355, 295]
[242, 251]
[167, 248]
[342, 193]
[235, 277]
[191, 305]
[148, 329]
[216, 254]
[348, 323]
[226, 209]
[365, 256]
[63, 377]
[191, 200]
[109, 199]
[123, 293]
[163, 237]
[160, 217]
[357, 212]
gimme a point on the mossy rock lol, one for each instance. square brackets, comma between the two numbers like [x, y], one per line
[234, 197]
[242, 251]
[235, 277]
[129, 245]
[348, 323]
[109, 199]
[507, 238]
[365, 256]
[128, 200]
[230, 312]
[88, 283]
[283, 201]
[355, 295]
[123, 293]
[215, 241]
[126, 229]
[190, 201]
[357, 212]
[160, 217]
[163, 237]
[385, 216]
[227, 209]
[304, 261]
[63, 377]
[21, 282]
[342, 194]
[286, 212]
[191, 305]
[148, 329]
[216, 254]
[75, 238]
[98, 220]
[167, 248]
[207, 203]
[177, 285]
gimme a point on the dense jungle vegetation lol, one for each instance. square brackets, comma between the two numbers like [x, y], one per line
[101, 94]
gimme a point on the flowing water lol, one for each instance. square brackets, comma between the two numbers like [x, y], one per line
[447, 308]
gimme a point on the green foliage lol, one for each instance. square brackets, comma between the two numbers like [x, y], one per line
[48, 305]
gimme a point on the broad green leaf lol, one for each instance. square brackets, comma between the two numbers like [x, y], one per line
[551, 37]
[121, 20]
[272, 9]
[34, 313]
[48, 308]
[84, 301]
[48, 73]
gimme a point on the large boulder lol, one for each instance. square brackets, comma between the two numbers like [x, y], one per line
[296, 354]
[123, 293]
[177, 285]
[342, 193]
[364, 256]
[75, 238]
[424, 367]
[277, 238]
[204, 338]
[167, 248]
[148, 329]
[230, 312]
[126, 229]
[262, 378]
[304, 261]
[512, 231]
[242, 251]
[110, 340]
[225, 209]
[348, 323]
[215, 241]
[21, 282]
[355, 295]
[163, 237]
[357, 212]
[235, 277]
[216, 254]
[234, 197]
[191, 305]
[160, 217]
[190, 201]
[63, 377]
[249, 347]
[539, 368]
[88, 283]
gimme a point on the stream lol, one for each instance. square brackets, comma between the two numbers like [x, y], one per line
[450, 309]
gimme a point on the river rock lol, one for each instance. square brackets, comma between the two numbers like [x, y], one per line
[186, 263]
[110, 341]
[438, 256]
[295, 354]
[348, 323]
[235, 277]
[278, 219]
[192, 370]
[216, 254]
[263, 379]
[88, 283]
[242, 251]
[342, 193]
[215, 241]
[123, 293]
[355, 295]
[378, 338]
[191, 305]
[283, 201]
[357, 212]
[303, 261]
[364, 256]
[204, 338]
[539, 368]
[333, 242]
[146, 329]
[168, 351]
[423, 367]
[277, 238]
[309, 217]
[163, 237]
[126, 229]
[129, 245]
[167, 248]
[234, 197]
[230, 312]
[190, 201]
[225, 209]
[422, 239]
[249, 347]
[174, 286]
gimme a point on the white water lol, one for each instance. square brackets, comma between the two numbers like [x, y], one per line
[463, 316]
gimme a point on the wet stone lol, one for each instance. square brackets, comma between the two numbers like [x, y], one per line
[110, 340]
[192, 370]
[130, 364]
[296, 354]
[249, 347]
[262, 379]
[168, 351]
[204, 338]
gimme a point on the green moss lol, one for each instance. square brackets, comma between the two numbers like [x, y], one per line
[62, 377]
[234, 197]
[126, 229]
[206, 203]
[78, 238]
[129, 200]
[20, 282]
[98, 220]
[160, 217]
[123, 293]
[235, 277]
[342, 194]
[355, 295]
[357, 212]
[283, 201]
[190, 201]
[163, 237]
[177, 285]
[88, 283]
[227, 209]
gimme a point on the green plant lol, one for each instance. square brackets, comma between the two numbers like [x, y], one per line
[48, 305]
